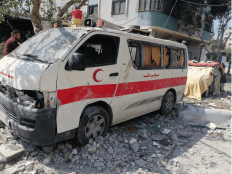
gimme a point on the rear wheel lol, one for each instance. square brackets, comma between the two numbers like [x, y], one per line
[94, 122]
[167, 103]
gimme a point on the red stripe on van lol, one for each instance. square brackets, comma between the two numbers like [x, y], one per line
[144, 86]
[85, 92]
[106, 91]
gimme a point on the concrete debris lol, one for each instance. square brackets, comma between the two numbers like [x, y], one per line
[1, 167]
[164, 142]
[92, 149]
[46, 161]
[134, 145]
[140, 163]
[74, 152]
[118, 170]
[48, 149]
[174, 138]
[142, 133]
[2, 138]
[98, 164]
[212, 126]
[31, 148]
[171, 151]
[157, 144]
[166, 131]
[153, 156]
[201, 116]
[61, 147]
[10, 151]
[184, 133]
[158, 137]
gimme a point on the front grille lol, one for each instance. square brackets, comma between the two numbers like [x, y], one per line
[8, 113]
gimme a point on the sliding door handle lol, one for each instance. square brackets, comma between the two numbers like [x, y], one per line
[114, 74]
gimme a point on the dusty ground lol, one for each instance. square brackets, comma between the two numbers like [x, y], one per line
[199, 149]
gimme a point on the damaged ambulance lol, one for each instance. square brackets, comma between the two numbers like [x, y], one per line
[68, 83]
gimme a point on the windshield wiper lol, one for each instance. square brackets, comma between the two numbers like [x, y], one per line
[30, 55]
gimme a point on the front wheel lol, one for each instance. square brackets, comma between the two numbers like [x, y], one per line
[94, 122]
[167, 103]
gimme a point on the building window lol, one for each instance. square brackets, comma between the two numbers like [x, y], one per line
[93, 10]
[146, 5]
[119, 6]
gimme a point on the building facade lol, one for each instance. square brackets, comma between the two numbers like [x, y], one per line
[152, 15]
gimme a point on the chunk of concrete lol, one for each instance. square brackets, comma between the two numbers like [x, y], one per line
[197, 115]
[212, 126]
[10, 151]
[134, 145]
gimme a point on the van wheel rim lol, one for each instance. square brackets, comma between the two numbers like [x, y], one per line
[168, 103]
[95, 126]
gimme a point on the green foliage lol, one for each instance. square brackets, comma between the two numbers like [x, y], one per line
[191, 13]
[2, 48]
[47, 9]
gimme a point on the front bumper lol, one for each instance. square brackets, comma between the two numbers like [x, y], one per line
[37, 126]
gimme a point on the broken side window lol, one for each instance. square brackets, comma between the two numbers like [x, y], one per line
[174, 58]
[100, 50]
[145, 55]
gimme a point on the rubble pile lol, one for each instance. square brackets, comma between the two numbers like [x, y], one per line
[213, 102]
[149, 144]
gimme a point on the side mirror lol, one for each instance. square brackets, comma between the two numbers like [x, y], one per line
[76, 62]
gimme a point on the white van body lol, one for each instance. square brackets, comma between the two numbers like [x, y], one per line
[48, 100]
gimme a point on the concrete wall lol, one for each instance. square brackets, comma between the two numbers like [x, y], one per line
[146, 18]
[154, 18]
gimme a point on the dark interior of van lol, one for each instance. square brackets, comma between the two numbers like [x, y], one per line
[100, 49]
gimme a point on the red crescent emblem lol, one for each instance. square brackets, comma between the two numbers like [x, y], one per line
[94, 75]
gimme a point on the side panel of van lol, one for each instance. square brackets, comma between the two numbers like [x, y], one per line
[98, 82]
[141, 90]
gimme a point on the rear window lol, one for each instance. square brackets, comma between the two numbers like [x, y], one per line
[48, 45]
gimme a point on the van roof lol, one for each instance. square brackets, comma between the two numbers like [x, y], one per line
[132, 35]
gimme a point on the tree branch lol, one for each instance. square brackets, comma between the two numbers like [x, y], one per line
[35, 17]
[69, 4]
[83, 3]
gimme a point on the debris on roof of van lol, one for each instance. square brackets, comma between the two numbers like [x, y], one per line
[139, 31]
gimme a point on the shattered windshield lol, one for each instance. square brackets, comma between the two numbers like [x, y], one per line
[48, 45]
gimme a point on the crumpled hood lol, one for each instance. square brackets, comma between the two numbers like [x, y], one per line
[21, 74]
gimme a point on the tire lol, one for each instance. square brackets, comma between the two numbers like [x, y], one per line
[89, 126]
[167, 103]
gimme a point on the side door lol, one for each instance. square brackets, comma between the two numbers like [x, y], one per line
[135, 85]
[98, 82]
